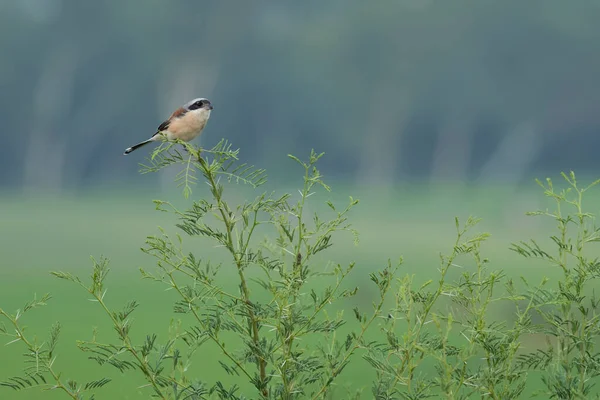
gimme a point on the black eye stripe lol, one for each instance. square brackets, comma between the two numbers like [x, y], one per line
[198, 104]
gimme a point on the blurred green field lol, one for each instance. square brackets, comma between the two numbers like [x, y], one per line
[60, 233]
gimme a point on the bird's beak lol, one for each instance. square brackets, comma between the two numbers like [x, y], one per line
[210, 106]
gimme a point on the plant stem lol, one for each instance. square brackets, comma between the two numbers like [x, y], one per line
[253, 320]
[210, 335]
[357, 341]
[47, 363]
[125, 337]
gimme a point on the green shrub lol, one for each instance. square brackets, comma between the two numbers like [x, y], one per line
[281, 327]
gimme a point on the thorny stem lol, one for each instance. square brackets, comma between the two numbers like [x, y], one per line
[565, 340]
[226, 216]
[357, 341]
[213, 338]
[178, 267]
[580, 244]
[481, 302]
[422, 320]
[316, 312]
[288, 340]
[297, 253]
[33, 348]
[125, 337]
[562, 257]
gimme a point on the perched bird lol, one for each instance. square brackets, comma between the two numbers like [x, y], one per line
[186, 123]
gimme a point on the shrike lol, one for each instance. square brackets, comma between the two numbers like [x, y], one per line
[186, 123]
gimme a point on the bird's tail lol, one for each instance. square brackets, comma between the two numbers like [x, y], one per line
[136, 146]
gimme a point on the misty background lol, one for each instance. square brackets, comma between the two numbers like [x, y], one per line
[393, 91]
[426, 110]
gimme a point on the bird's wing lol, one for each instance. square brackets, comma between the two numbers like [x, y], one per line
[180, 112]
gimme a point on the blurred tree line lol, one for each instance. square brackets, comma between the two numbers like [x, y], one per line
[391, 90]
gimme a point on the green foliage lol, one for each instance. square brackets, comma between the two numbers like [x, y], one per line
[39, 357]
[569, 312]
[282, 328]
[421, 330]
[268, 335]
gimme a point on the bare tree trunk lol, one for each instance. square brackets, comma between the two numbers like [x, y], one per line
[508, 165]
[92, 127]
[515, 153]
[46, 149]
[380, 151]
[453, 150]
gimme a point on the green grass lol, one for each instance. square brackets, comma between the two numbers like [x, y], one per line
[60, 233]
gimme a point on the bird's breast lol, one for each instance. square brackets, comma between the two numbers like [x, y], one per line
[189, 126]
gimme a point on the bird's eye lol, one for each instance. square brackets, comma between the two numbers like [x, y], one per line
[199, 103]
